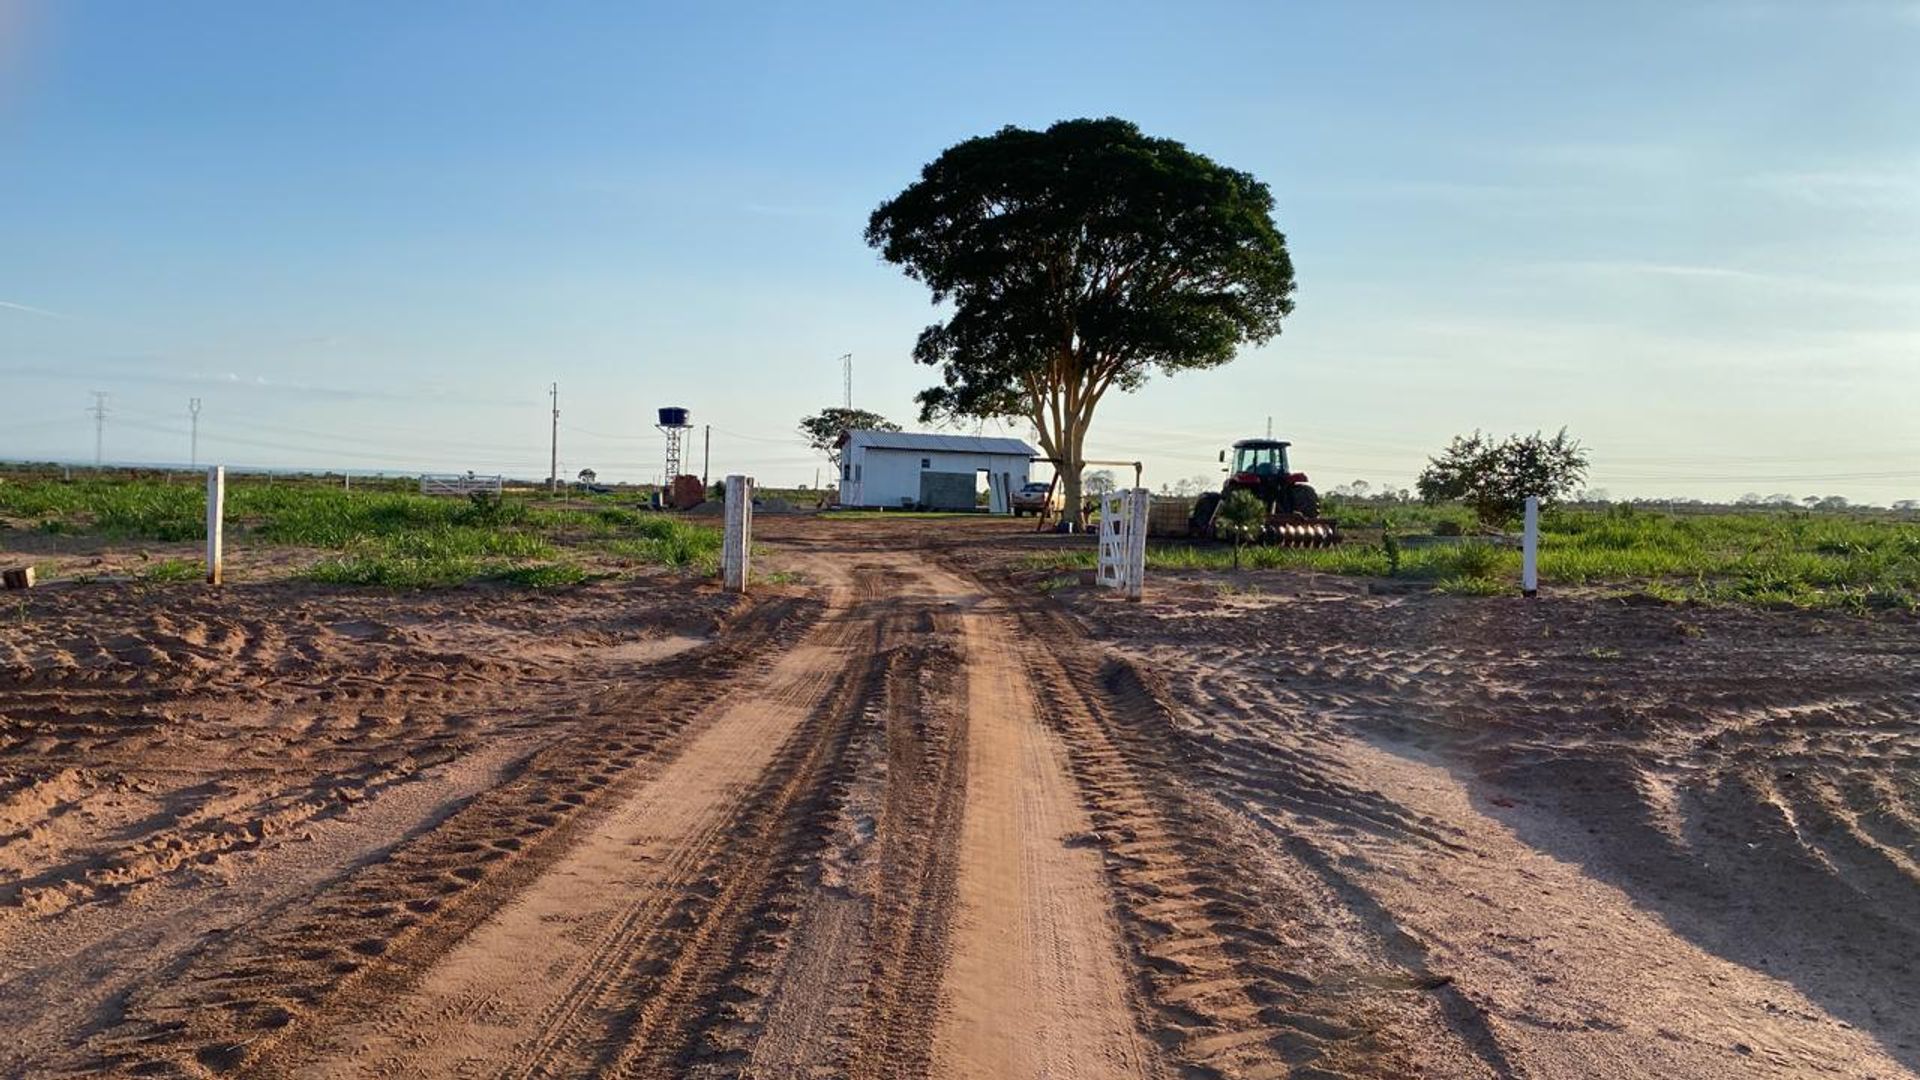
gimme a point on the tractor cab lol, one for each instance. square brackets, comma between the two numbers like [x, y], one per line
[1258, 462]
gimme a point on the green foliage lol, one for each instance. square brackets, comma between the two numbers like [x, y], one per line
[1494, 478]
[1773, 559]
[488, 508]
[1241, 517]
[167, 570]
[543, 575]
[395, 571]
[824, 428]
[1076, 260]
[668, 542]
[386, 538]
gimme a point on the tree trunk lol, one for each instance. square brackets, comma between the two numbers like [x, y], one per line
[1072, 463]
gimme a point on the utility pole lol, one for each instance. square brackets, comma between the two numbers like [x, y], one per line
[553, 464]
[99, 411]
[706, 458]
[846, 377]
[193, 410]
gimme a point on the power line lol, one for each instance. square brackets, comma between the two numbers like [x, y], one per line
[605, 435]
[791, 441]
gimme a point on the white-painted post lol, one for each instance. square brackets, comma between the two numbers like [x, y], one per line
[738, 541]
[216, 517]
[1137, 542]
[1530, 550]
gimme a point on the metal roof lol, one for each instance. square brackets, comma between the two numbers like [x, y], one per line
[952, 444]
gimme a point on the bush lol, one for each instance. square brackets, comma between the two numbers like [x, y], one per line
[1494, 478]
[1241, 517]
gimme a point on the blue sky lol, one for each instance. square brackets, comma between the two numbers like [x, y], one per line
[370, 234]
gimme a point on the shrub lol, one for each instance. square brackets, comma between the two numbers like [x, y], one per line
[1494, 478]
[1241, 517]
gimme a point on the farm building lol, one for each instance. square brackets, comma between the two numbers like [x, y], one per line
[935, 472]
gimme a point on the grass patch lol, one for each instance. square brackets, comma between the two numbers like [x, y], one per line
[1054, 584]
[1837, 561]
[379, 536]
[167, 570]
[660, 541]
[544, 575]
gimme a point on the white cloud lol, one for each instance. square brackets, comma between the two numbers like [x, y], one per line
[1734, 277]
[31, 310]
[1864, 188]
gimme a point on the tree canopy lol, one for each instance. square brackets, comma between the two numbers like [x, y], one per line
[1077, 260]
[824, 428]
[1494, 477]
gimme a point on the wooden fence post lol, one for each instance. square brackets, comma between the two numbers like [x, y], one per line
[1530, 550]
[216, 517]
[737, 544]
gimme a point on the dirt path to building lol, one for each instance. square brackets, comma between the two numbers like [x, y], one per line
[913, 817]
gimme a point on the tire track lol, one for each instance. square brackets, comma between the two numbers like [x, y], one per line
[247, 999]
[1212, 916]
[1037, 985]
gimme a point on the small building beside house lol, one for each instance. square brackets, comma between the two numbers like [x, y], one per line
[908, 469]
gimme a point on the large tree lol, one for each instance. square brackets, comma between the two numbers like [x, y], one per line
[1076, 260]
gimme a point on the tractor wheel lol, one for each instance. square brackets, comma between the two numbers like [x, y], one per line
[1302, 500]
[1200, 522]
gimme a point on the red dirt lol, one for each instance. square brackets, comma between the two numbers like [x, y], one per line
[912, 817]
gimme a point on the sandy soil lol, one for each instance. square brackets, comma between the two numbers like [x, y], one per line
[913, 817]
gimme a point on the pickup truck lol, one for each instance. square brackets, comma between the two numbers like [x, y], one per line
[1033, 499]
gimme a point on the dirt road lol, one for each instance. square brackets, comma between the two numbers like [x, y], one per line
[908, 817]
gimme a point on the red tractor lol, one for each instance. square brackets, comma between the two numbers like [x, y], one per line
[1293, 508]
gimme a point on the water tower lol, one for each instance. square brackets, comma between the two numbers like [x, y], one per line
[674, 422]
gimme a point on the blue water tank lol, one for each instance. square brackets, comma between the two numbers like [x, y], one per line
[673, 417]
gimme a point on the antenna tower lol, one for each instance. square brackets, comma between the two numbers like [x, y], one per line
[193, 410]
[846, 378]
[99, 411]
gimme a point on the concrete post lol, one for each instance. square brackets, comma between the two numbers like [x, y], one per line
[738, 542]
[216, 517]
[1530, 550]
[1137, 542]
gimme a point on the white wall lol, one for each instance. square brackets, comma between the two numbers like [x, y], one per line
[886, 476]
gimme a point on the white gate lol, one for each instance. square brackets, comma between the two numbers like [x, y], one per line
[454, 484]
[1123, 541]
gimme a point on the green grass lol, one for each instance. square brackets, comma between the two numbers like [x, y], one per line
[379, 536]
[173, 570]
[663, 541]
[1773, 559]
